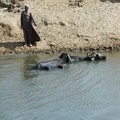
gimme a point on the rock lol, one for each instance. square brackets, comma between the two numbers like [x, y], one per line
[62, 23]
[45, 22]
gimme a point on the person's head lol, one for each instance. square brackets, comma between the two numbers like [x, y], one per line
[26, 7]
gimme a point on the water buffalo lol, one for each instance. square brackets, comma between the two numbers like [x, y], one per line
[89, 57]
[94, 56]
[61, 62]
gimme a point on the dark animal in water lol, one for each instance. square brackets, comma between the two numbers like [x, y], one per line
[61, 62]
[64, 60]
[94, 56]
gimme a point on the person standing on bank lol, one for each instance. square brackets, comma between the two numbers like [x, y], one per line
[30, 35]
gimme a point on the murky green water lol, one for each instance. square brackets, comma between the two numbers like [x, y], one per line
[84, 91]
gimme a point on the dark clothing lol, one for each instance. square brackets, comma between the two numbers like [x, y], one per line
[30, 35]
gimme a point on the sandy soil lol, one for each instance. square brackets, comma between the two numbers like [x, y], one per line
[64, 25]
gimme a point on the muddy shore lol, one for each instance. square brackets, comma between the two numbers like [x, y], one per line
[62, 26]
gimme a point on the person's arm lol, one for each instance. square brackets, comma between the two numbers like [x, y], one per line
[32, 20]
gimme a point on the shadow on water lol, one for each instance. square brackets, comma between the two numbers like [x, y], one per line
[11, 45]
[27, 68]
[112, 1]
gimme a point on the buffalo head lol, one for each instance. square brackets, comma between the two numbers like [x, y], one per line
[65, 57]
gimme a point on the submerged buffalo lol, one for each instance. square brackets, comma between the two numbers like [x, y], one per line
[94, 56]
[89, 57]
[61, 62]
[64, 60]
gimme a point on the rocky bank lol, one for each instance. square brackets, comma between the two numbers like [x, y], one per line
[63, 25]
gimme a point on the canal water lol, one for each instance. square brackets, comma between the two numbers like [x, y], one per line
[83, 91]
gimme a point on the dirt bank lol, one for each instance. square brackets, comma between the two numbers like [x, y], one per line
[64, 25]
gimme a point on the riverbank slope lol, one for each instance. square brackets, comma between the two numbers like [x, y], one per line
[64, 25]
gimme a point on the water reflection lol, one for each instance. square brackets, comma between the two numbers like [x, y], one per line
[29, 62]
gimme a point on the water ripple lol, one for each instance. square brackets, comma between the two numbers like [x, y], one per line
[29, 94]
